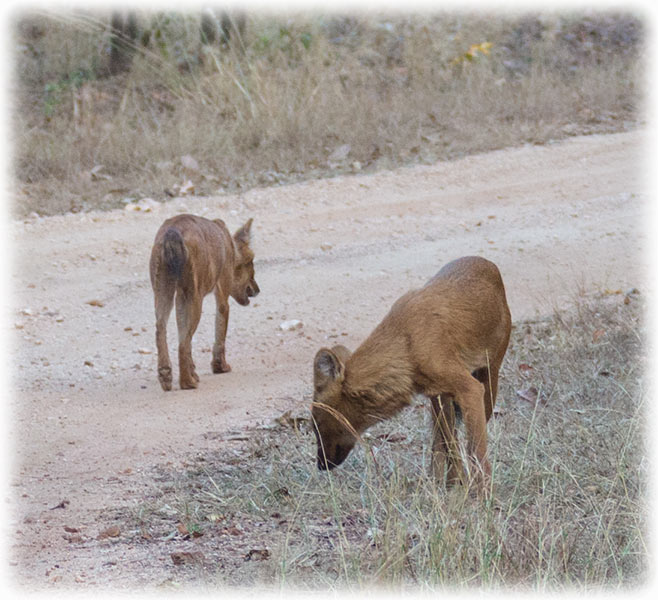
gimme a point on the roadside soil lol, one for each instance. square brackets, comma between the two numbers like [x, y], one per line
[87, 419]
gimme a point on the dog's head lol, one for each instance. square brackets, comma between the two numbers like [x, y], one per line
[334, 438]
[244, 282]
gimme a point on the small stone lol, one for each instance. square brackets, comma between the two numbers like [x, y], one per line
[291, 325]
[189, 163]
[340, 153]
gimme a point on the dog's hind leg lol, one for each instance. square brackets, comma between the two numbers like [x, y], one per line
[164, 290]
[188, 314]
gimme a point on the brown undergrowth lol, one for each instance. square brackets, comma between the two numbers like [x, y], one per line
[303, 96]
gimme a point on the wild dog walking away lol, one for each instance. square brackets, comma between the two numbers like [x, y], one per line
[445, 340]
[192, 257]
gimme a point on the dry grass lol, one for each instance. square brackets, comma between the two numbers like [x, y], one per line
[568, 510]
[394, 89]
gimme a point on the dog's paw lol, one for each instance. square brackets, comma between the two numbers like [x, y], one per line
[220, 366]
[164, 376]
[189, 384]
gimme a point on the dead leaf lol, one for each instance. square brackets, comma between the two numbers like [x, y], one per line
[597, 335]
[110, 532]
[186, 558]
[71, 529]
[94, 302]
[257, 554]
[215, 517]
[525, 368]
[530, 395]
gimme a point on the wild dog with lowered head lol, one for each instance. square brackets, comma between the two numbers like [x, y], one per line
[192, 257]
[445, 340]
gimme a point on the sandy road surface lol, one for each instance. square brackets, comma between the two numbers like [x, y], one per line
[87, 413]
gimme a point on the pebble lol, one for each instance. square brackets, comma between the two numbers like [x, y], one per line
[291, 325]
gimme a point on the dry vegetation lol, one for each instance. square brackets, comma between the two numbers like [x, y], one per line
[302, 96]
[570, 485]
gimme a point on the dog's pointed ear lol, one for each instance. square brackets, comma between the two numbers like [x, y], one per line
[327, 368]
[243, 235]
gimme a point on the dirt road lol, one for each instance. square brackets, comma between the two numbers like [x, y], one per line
[87, 415]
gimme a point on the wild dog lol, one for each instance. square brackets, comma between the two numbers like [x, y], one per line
[446, 341]
[192, 257]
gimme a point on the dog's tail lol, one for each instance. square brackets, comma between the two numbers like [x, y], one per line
[174, 252]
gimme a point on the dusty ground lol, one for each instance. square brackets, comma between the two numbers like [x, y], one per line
[88, 419]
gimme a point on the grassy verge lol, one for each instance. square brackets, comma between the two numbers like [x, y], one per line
[570, 485]
[304, 96]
